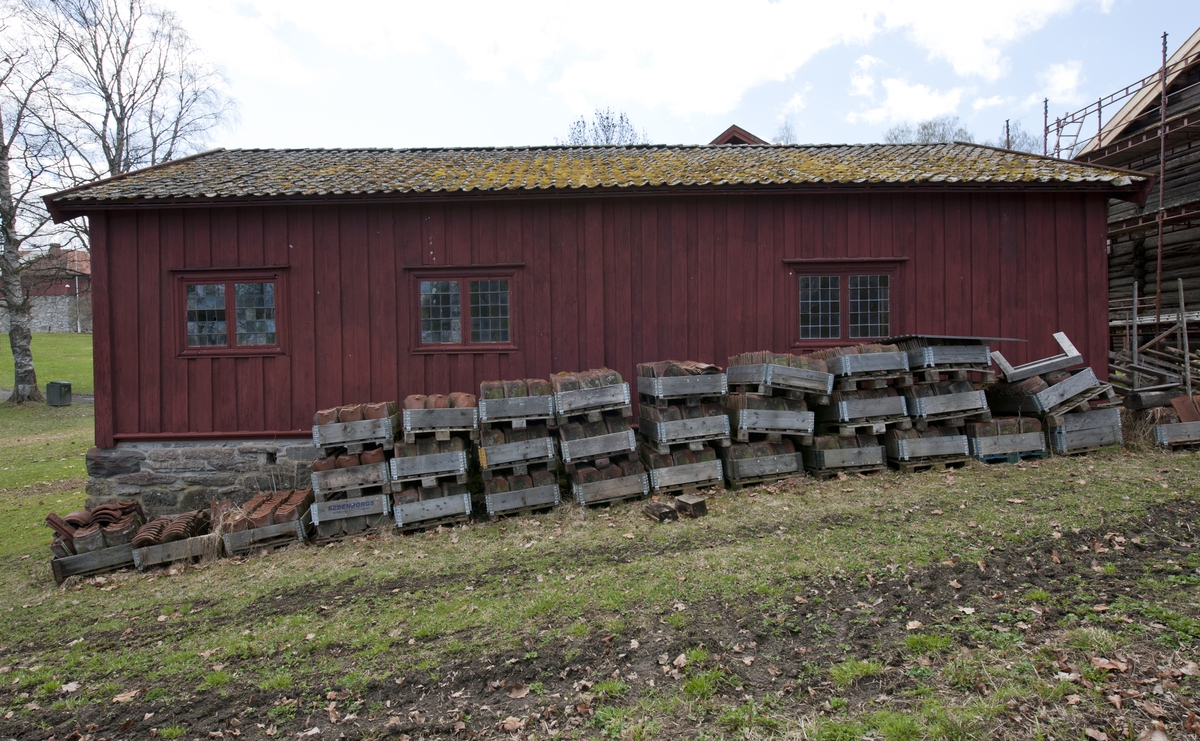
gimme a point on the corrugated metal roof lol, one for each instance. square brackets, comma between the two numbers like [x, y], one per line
[248, 173]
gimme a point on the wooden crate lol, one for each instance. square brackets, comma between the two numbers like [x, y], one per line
[712, 384]
[354, 435]
[1070, 392]
[604, 398]
[997, 446]
[344, 509]
[1087, 431]
[429, 467]
[440, 422]
[868, 363]
[756, 470]
[271, 535]
[685, 430]
[1070, 357]
[522, 452]
[433, 511]
[113, 558]
[769, 375]
[849, 410]
[843, 458]
[927, 447]
[1177, 435]
[955, 405]
[179, 550]
[687, 476]
[326, 483]
[767, 421]
[612, 490]
[599, 446]
[523, 499]
[955, 356]
[518, 410]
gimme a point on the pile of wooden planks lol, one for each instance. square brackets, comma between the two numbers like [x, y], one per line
[1184, 433]
[597, 443]
[429, 469]
[769, 414]
[681, 423]
[518, 459]
[350, 477]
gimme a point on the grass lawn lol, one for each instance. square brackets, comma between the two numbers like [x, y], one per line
[1017, 602]
[58, 356]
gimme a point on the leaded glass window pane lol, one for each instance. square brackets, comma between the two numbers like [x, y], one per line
[869, 306]
[489, 311]
[206, 315]
[820, 307]
[441, 312]
[254, 309]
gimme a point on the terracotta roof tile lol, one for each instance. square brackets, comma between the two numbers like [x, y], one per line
[242, 173]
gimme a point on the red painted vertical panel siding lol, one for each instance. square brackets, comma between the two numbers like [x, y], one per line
[603, 281]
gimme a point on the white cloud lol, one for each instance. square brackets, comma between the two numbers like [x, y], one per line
[907, 101]
[862, 82]
[991, 102]
[797, 101]
[1060, 83]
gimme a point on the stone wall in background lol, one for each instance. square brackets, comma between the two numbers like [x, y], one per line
[174, 477]
[56, 314]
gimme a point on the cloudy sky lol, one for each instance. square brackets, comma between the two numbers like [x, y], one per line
[390, 74]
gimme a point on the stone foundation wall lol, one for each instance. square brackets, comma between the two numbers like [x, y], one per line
[56, 314]
[174, 477]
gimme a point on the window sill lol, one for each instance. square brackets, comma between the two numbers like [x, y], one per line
[477, 349]
[232, 352]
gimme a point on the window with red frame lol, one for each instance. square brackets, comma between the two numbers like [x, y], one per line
[466, 311]
[865, 301]
[237, 313]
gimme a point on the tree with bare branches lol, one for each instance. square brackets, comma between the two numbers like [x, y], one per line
[29, 157]
[605, 129]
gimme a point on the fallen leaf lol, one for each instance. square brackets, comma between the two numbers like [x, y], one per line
[126, 696]
[162, 618]
[517, 691]
[937, 512]
[69, 687]
[967, 610]
[217, 667]
[1054, 557]
[1115, 700]
[1102, 663]
[1153, 708]
[311, 636]
[747, 660]
[627, 535]
[1191, 724]
[1073, 699]
[634, 645]
[954, 583]
[680, 661]
[1153, 734]
[1095, 735]
[774, 671]
[800, 600]
[314, 731]
[511, 724]
[459, 727]
[1016, 501]
[1100, 608]
[1190, 668]
[842, 477]
[914, 625]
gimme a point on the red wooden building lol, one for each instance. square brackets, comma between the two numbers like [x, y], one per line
[371, 274]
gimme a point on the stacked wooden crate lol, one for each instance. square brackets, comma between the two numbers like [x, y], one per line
[769, 415]
[680, 422]
[518, 460]
[1062, 398]
[350, 479]
[268, 519]
[598, 446]
[868, 401]
[429, 468]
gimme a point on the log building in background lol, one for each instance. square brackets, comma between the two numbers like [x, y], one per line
[236, 292]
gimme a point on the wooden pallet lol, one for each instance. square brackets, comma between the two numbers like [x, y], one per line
[354, 435]
[927, 447]
[946, 405]
[865, 427]
[578, 452]
[271, 536]
[516, 456]
[691, 389]
[843, 459]
[523, 500]
[440, 422]
[701, 429]
[429, 469]
[945, 357]
[1010, 457]
[866, 381]
[517, 411]
[612, 490]
[978, 376]
[336, 530]
[179, 550]
[1004, 447]
[1086, 432]
[1177, 436]
[863, 411]
[764, 378]
[951, 421]
[829, 473]
[1070, 357]
[917, 465]
[353, 479]
[592, 402]
[1104, 398]
[752, 471]
[686, 478]
[868, 365]
[113, 558]
[432, 512]
[1068, 396]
